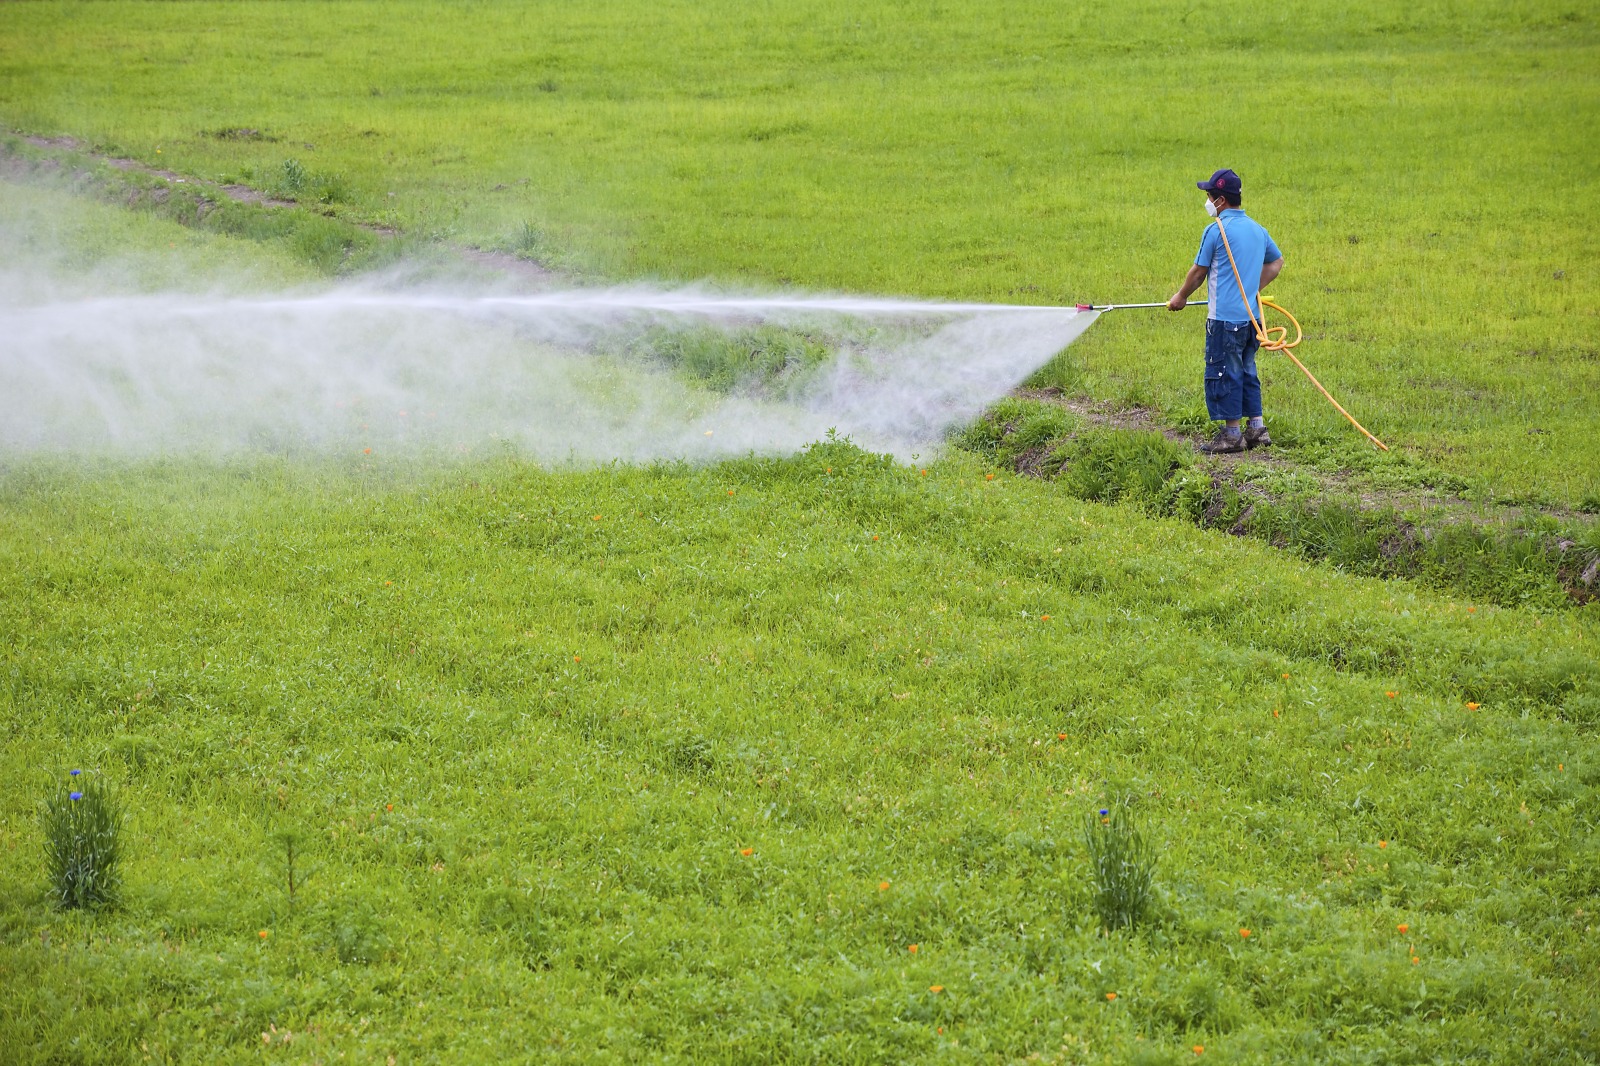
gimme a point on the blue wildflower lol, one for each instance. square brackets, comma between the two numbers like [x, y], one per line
[74, 773]
[77, 795]
[1104, 812]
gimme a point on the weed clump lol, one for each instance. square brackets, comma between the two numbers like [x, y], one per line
[758, 358]
[83, 846]
[294, 178]
[295, 182]
[1109, 466]
[1123, 865]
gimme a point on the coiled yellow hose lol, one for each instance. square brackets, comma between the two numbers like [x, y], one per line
[1276, 338]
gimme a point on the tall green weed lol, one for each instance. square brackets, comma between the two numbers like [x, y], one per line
[82, 824]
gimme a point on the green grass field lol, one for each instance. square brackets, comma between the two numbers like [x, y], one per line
[1431, 174]
[677, 763]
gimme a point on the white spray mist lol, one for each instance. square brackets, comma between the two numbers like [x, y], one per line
[371, 366]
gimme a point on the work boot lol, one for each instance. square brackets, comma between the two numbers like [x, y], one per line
[1227, 440]
[1257, 437]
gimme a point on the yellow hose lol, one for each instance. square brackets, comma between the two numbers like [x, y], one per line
[1276, 338]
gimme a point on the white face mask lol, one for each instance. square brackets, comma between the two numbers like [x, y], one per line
[1211, 208]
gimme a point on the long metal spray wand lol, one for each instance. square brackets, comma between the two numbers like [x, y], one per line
[1120, 307]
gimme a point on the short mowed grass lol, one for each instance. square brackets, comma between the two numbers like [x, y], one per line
[1430, 171]
[472, 760]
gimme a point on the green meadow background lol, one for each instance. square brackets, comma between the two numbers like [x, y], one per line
[1430, 169]
[479, 761]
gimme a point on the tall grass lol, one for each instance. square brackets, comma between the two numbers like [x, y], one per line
[1123, 864]
[82, 827]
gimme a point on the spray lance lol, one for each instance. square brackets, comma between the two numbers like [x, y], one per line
[1271, 338]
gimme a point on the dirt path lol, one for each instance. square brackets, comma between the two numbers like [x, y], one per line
[500, 262]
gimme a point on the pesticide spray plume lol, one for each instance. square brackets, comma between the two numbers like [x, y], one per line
[553, 374]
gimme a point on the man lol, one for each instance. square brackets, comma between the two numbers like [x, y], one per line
[1233, 390]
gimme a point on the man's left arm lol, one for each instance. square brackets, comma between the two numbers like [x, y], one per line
[1271, 261]
[1270, 271]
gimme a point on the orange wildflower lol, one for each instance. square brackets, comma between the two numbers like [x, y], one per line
[1383, 843]
[1471, 706]
[1472, 610]
[746, 851]
[1403, 928]
[1286, 677]
[577, 658]
[595, 517]
[883, 886]
[366, 451]
[262, 934]
[1391, 695]
[1044, 618]
[1110, 996]
[1415, 960]
[1245, 933]
[874, 536]
[730, 492]
[924, 473]
[1275, 713]
[911, 948]
[988, 477]
[936, 989]
[1061, 736]
[1199, 1049]
[388, 806]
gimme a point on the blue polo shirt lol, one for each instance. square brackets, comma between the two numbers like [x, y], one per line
[1252, 249]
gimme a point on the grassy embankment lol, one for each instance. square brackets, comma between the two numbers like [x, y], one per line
[1431, 174]
[1380, 525]
[521, 749]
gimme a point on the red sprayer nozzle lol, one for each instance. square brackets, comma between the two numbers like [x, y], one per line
[1086, 307]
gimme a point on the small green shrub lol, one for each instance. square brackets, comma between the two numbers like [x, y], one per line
[1016, 425]
[294, 178]
[1107, 466]
[529, 241]
[83, 846]
[1123, 865]
[296, 182]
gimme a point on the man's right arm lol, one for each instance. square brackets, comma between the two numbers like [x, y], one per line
[1192, 281]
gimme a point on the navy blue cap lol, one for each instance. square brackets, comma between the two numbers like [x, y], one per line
[1223, 181]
